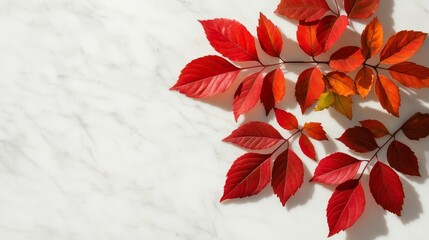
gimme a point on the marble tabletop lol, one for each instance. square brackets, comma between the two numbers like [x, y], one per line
[93, 145]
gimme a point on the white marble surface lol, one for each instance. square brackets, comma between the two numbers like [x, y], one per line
[94, 146]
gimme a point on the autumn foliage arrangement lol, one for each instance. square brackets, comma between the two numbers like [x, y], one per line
[348, 72]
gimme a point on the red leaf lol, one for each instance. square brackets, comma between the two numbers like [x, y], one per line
[231, 39]
[359, 139]
[307, 39]
[307, 147]
[417, 126]
[255, 136]
[285, 119]
[205, 77]
[401, 46]
[273, 89]
[341, 84]
[364, 81]
[376, 127]
[248, 175]
[308, 10]
[315, 131]
[360, 9]
[269, 36]
[410, 74]
[402, 158]
[336, 169]
[345, 206]
[346, 59]
[386, 188]
[309, 87]
[372, 39]
[330, 30]
[388, 94]
[288, 175]
[247, 94]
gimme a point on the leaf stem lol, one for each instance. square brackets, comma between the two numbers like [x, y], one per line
[285, 141]
[283, 62]
[392, 136]
[338, 8]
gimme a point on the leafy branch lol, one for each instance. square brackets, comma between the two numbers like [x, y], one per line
[385, 185]
[251, 172]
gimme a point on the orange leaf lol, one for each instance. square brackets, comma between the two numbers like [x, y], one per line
[273, 89]
[346, 59]
[376, 127]
[360, 9]
[330, 30]
[269, 36]
[410, 74]
[401, 46]
[309, 87]
[372, 39]
[388, 94]
[315, 131]
[307, 39]
[308, 10]
[364, 81]
[343, 105]
[341, 83]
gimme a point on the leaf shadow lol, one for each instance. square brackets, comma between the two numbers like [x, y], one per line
[304, 194]
[412, 208]
[372, 223]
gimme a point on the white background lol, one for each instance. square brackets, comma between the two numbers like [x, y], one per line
[94, 146]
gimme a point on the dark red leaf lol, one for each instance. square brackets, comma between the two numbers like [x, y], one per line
[359, 139]
[308, 10]
[307, 39]
[247, 94]
[330, 30]
[307, 147]
[336, 169]
[372, 39]
[401, 46]
[417, 126]
[269, 36]
[205, 77]
[285, 119]
[402, 158]
[388, 94]
[376, 127]
[309, 87]
[341, 84]
[386, 188]
[248, 175]
[315, 131]
[288, 175]
[273, 89]
[364, 81]
[345, 206]
[255, 136]
[410, 74]
[346, 59]
[360, 9]
[231, 39]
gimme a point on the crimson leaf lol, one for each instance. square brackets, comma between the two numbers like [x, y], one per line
[248, 175]
[255, 136]
[288, 175]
